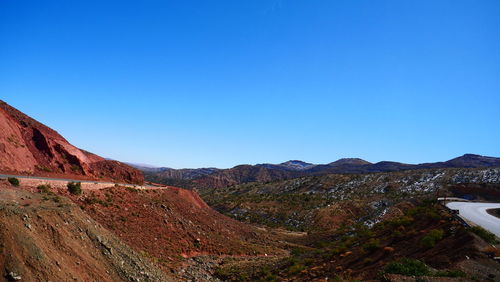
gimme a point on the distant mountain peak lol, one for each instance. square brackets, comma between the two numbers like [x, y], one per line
[473, 156]
[296, 162]
[296, 165]
[291, 165]
[350, 161]
[472, 160]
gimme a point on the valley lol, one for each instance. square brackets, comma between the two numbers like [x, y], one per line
[67, 214]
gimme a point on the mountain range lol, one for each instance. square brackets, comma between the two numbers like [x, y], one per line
[213, 177]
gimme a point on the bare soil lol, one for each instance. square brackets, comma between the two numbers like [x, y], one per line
[44, 237]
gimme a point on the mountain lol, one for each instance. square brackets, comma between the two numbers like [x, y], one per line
[210, 178]
[243, 174]
[349, 161]
[293, 165]
[28, 147]
[470, 160]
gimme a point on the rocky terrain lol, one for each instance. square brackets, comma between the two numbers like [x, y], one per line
[171, 224]
[28, 147]
[324, 202]
[125, 234]
[293, 221]
[170, 227]
[218, 178]
[44, 237]
[422, 243]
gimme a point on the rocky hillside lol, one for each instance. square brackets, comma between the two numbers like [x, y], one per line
[422, 243]
[217, 178]
[171, 227]
[30, 148]
[48, 238]
[171, 224]
[324, 202]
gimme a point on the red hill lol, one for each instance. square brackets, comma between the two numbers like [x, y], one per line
[28, 147]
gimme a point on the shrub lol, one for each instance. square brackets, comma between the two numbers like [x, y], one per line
[43, 168]
[450, 273]
[368, 261]
[401, 221]
[76, 168]
[296, 268]
[484, 234]
[75, 188]
[132, 189]
[43, 188]
[432, 237]
[13, 181]
[371, 245]
[426, 211]
[408, 267]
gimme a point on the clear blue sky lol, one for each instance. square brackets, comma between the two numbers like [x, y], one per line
[218, 83]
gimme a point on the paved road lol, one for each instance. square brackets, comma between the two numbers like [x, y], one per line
[476, 213]
[70, 180]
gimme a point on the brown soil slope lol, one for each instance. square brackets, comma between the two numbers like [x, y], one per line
[29, 147]
[171, 224]
[45, 237]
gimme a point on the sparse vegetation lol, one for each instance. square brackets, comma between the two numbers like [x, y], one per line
[295, 268]
[44, 188]
[43, 168]
[93, 199]
[429, 240]
[408, 267]
[13, 181]
[133, 189]
[449, 273]
[484, 234]
[75, 188]
[372, 245]
[76, 168]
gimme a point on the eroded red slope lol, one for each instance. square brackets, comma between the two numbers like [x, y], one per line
[29, 147]
[172, 223]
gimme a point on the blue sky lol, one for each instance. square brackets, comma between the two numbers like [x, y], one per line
[220, 83]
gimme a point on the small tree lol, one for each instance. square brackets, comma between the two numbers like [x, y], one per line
[75, 188]
[13, 181]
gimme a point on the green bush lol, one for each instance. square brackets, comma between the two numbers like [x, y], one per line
[408, 267]
[484, 234]
[432, 237]
[450, 273]
[13, 181]
[401, 221]
[75, 188]
[426, 211]
[372, 245]
[45, 188]
[296, 268]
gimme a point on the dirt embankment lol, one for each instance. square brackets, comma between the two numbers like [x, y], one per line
[46, 237]
[172, 224]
